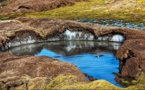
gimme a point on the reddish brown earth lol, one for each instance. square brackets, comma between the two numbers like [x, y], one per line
[14, 70]
[130, 54]
[27, 6]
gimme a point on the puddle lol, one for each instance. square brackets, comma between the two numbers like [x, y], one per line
[95, 59]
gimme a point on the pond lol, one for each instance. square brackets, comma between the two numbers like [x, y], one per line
[95, 59]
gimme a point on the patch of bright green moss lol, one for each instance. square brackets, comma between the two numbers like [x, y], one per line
[141, 78]
[70, 82]
[67, 10]
[79, 10]
[11, 16]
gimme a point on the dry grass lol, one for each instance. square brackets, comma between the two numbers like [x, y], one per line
[128, 10]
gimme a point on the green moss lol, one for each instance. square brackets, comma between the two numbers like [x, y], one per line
[141, 2]
[141, 78]
[94, 9]
[124, 81]
[79, 10]
[66, 82]
[128, 82]
[134, 82]
[62, 80]
[11, 16]
[70, 82]
[70, 12]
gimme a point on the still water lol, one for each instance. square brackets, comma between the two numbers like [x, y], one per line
[96, 59]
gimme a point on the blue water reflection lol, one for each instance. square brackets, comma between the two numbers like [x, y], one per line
[91, 64]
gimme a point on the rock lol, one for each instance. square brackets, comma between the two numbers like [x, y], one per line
[92, 78]
[27, 6]
[19, 70]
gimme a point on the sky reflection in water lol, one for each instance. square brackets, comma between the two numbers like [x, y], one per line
[100, 67]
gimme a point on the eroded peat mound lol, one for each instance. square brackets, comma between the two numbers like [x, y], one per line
[27, 30]
[28, 6]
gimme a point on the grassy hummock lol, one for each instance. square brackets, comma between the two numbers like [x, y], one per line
[128, 10]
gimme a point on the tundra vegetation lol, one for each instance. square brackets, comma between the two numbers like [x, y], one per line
[128, 10]
[132, 48]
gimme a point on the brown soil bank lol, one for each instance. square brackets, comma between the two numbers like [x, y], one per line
[28, 30]
[27, 6]
[131, 55]
[15, 71]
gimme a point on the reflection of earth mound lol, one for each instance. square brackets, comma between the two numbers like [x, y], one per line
[66, 47]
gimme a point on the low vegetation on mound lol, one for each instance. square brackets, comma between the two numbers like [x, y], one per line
[69, 82]
[14, 8]
[129, 10]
